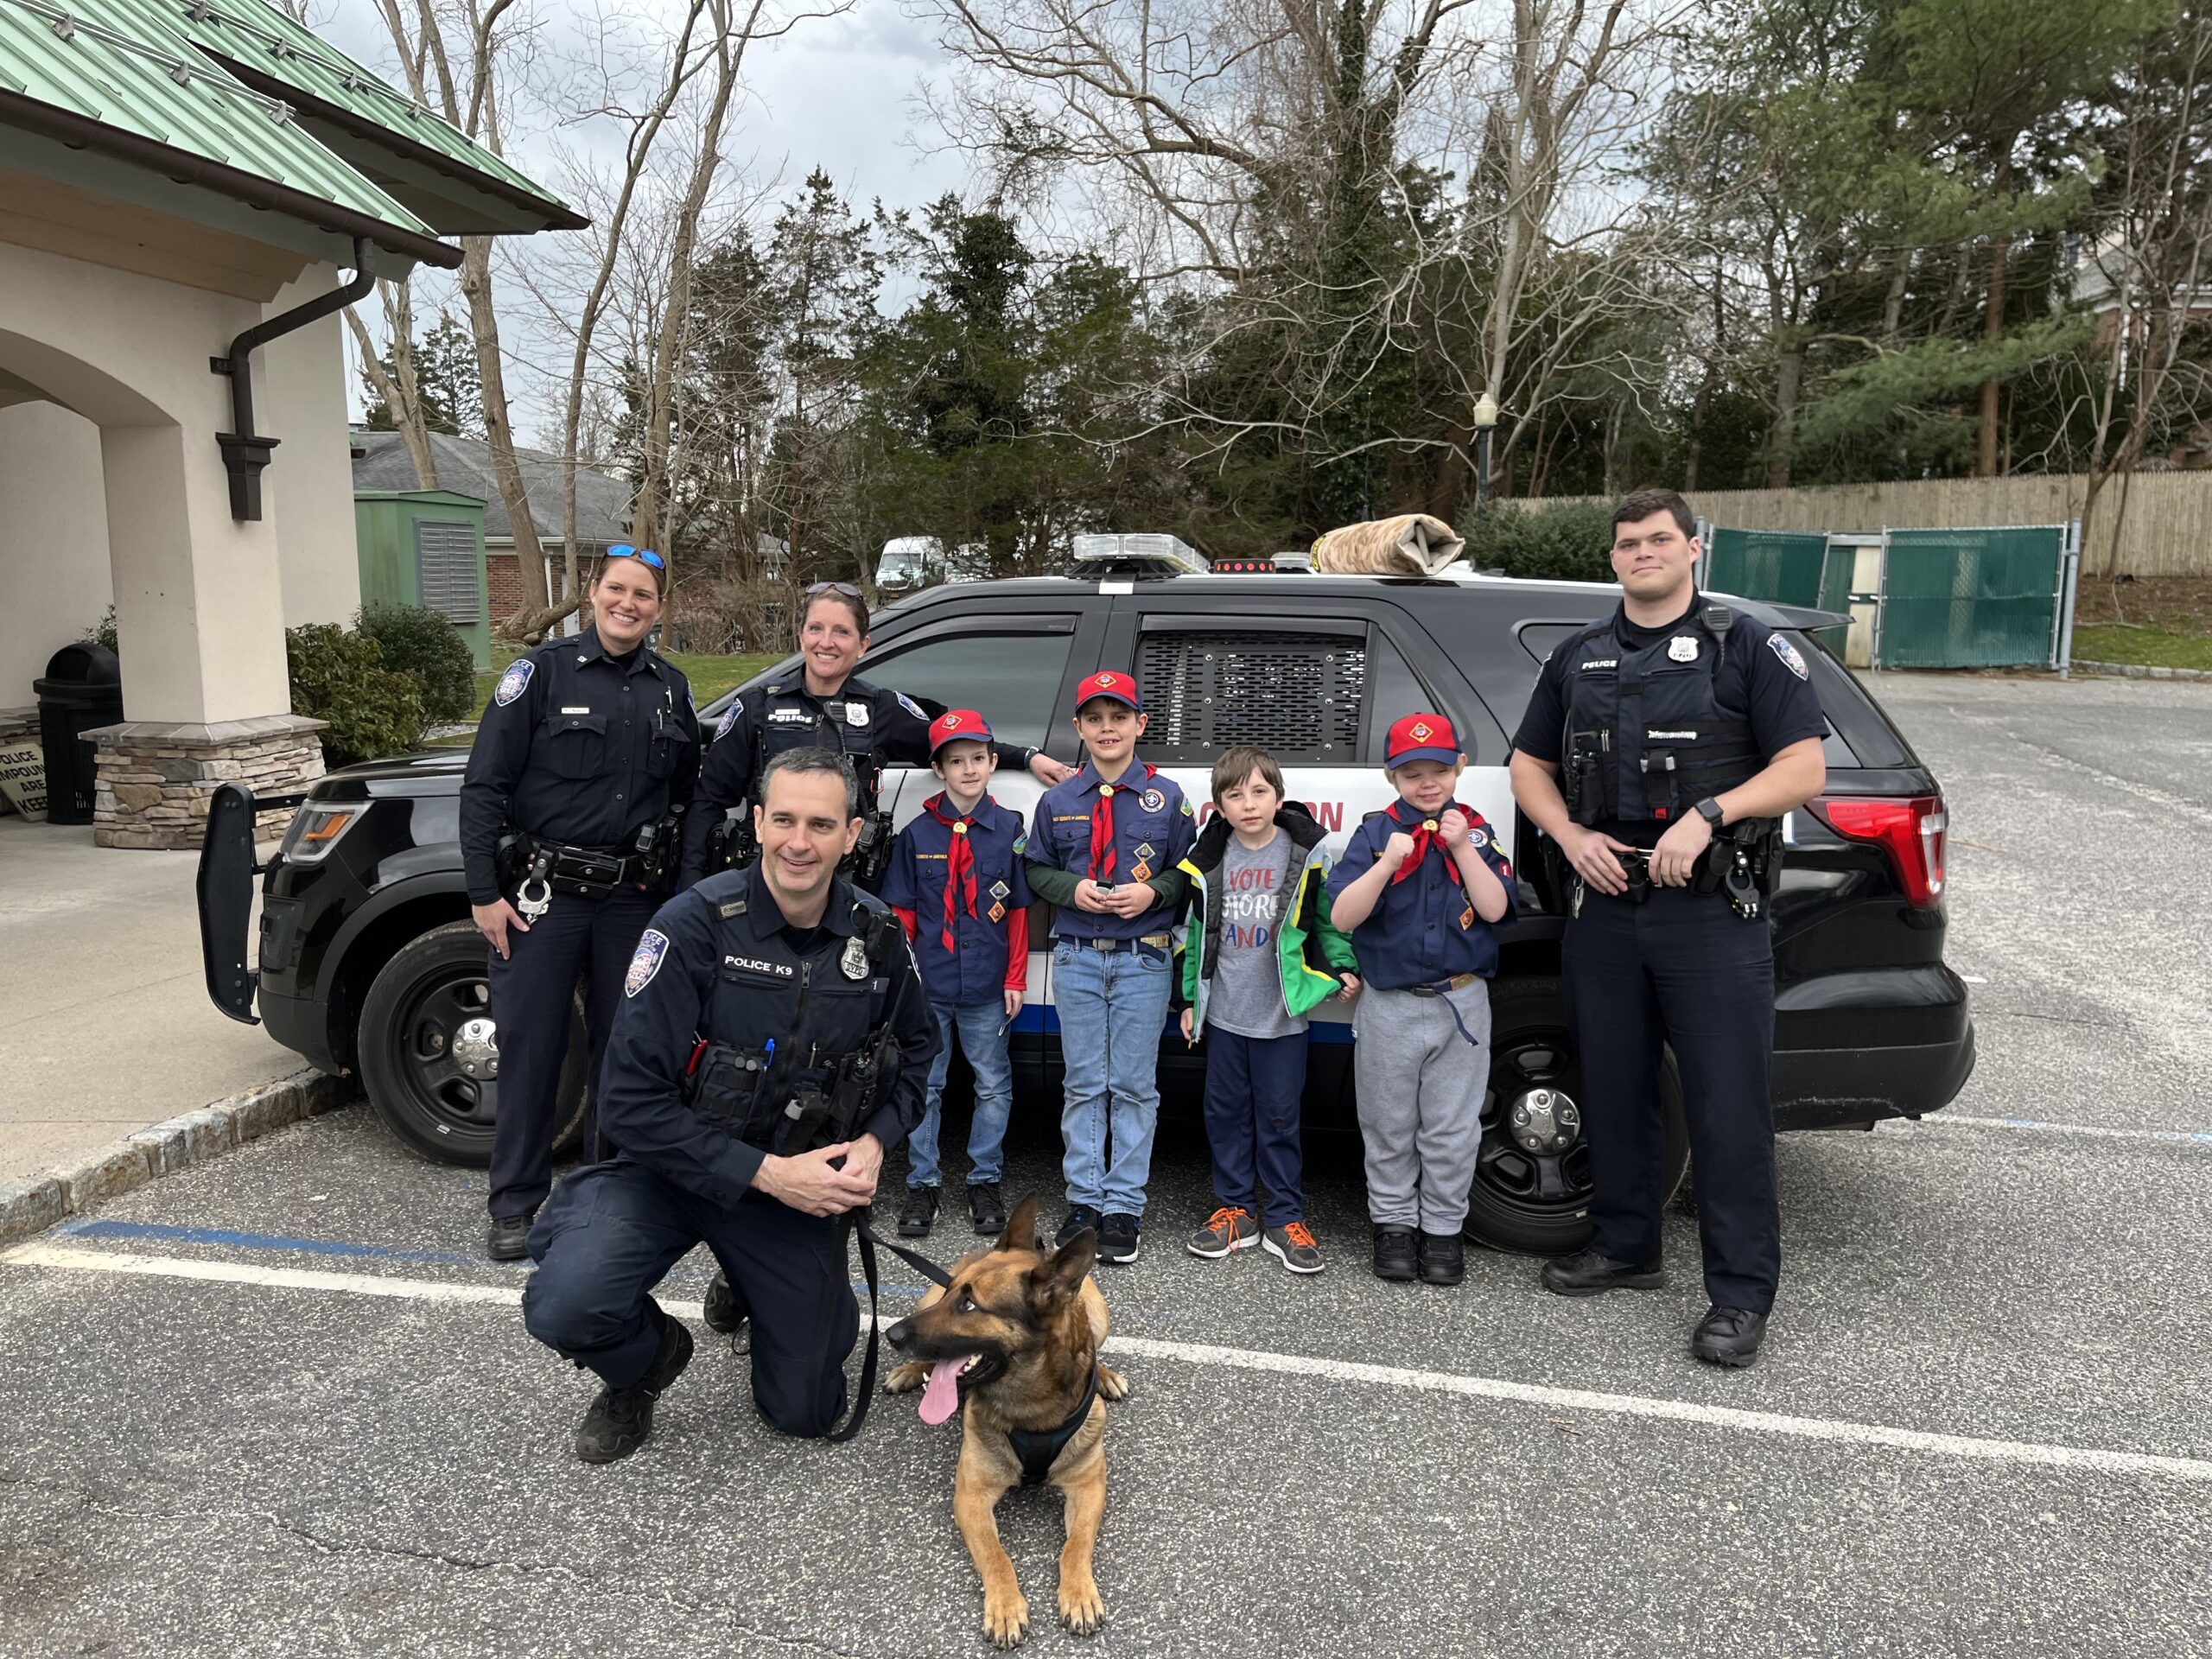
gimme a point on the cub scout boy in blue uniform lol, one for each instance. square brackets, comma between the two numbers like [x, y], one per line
[1103, 851]
[1419, 887]
[958, 884]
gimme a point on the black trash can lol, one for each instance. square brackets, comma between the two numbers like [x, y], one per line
[82, 690]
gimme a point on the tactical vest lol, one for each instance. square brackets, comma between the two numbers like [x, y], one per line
[845, 725]
[803, 1095]
[1646, 736]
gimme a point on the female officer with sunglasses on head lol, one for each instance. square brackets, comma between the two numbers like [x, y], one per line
[586, 752]
[825, 705]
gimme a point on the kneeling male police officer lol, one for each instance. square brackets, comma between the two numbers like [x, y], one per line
[771, 1045]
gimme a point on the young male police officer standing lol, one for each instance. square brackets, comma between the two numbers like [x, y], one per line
[588, 742]
[771, 1045]
[1682, 733]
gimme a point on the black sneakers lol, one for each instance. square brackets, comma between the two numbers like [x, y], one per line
[987, 1209]
[723, 1312]
[1394, 1254]
[1117, 1239]
[919, 1214]
[1729, 1337]
[1443, 1258]
[507, 1239]
[621, 1420]
[1079, 1216]
[1586, 1273]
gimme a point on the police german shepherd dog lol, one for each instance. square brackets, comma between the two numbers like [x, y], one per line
[1013, 1345]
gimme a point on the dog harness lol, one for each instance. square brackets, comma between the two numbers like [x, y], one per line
[1039, 1448]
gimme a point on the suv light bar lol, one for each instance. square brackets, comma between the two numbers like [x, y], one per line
[1149, 550]
[1910, 829]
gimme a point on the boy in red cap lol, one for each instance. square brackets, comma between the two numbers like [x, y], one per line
[1420, 887]
[1103, 851]
[957, 883]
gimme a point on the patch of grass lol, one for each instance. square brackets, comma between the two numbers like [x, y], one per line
[2153, 647]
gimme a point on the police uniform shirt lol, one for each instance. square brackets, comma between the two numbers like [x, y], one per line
[707, 972]
[577, 746]
[975, 971]
[1762, 679]
[1423, 928]
[1153, 832]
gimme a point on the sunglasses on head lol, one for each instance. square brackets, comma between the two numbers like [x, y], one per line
[844, 587]
[644, 555]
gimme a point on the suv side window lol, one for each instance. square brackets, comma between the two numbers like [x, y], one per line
[1008, 669]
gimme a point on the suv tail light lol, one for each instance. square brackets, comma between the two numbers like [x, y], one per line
[1909, 827]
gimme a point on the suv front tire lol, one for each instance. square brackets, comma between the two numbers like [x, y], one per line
[416, 1007]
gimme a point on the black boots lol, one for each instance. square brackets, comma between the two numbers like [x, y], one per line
[621, 1419]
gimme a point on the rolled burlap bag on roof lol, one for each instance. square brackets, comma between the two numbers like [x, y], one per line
[1411, 544]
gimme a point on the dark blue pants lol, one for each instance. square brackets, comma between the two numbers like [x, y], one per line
[611, 1231]
[1254, 1086]
[1683, 970]
[590, 939]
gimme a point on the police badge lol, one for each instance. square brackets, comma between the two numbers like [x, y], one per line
[856, 714]
[854, 963]
[1682, 649]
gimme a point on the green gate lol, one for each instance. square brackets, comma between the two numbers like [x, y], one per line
[1785, 566]
[1982, 598]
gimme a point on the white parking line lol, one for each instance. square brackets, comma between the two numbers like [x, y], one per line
[2087, 1131]
[1834, 1430]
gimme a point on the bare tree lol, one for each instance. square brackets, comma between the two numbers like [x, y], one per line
[397, 386]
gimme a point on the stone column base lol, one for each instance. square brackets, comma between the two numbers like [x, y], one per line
[155, 776]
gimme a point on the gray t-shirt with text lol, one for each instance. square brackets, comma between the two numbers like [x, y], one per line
[1246, 998]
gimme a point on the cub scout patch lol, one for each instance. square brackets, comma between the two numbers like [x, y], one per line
[998, 912]
[1021, 844]
[999, 890]
[643, 966]
[1141, 870]
[1144, 850]
[1186, 806]
[1153, 800]
[1478, 837]
[1466, 918]
[729, 717]
[515, 680]
[1788, 652]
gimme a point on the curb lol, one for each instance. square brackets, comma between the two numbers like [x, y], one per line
[2143, 671]
[39, 1201]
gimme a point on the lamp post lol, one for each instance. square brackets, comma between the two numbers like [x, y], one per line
[1485, 423]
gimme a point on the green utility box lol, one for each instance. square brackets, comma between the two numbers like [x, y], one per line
[426, 547]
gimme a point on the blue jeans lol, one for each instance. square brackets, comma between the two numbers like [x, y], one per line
[981, 1031]
[1113, 1007]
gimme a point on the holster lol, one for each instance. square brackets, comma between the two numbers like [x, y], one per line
[731, 843]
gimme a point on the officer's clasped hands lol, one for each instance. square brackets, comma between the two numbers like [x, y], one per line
[1590, 852]
[828, 1181]
[1674, 858]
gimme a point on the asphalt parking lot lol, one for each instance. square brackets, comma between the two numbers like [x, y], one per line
[278, 1404]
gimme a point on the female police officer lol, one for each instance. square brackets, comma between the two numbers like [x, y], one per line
[587, 752]
[824, 705]
[772, 1044]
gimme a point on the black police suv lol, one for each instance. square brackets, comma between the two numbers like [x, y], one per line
[368, 962]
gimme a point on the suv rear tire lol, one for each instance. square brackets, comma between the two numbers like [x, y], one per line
[1538, 1203]
[417, 1000]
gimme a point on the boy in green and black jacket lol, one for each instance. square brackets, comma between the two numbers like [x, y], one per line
[1260, 953]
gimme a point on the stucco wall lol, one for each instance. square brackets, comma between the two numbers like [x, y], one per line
[299, 396]
[53, 556]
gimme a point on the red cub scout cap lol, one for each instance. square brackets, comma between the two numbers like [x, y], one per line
[1119, 687]
[1421, 737]
[955, 724]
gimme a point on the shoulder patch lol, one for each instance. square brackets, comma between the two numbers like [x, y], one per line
[729, 717]
[1790, 660]
[1021, 844]
[909, 705]
[515, 680]
[1186, 807]
[651, 949]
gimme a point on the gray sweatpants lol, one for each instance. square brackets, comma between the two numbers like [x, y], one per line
[1420, 1100]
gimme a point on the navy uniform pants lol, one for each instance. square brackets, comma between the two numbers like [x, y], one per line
[1681, 969]
[611, 1231]
[590, 939]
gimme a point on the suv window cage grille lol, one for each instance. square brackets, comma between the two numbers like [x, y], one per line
[1299, 696]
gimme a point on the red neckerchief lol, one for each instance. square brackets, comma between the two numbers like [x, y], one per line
[1427, 837]
[959, 864]
[1102, 856]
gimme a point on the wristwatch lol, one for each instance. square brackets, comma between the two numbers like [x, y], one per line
[1709, 810]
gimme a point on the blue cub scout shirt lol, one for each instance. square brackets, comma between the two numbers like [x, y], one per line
[973, 972]
[1423, 929]
[576, 746]
[1153, 831]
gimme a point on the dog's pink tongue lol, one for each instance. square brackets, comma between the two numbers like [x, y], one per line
[941, 1394]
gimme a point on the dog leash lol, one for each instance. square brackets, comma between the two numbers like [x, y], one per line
[867, 1239]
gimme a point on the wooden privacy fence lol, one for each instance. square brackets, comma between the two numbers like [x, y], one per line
[2166, 531]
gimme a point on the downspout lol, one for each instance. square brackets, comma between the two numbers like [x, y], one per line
[244, 452]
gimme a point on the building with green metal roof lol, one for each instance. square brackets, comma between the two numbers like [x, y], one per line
[190, 190]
